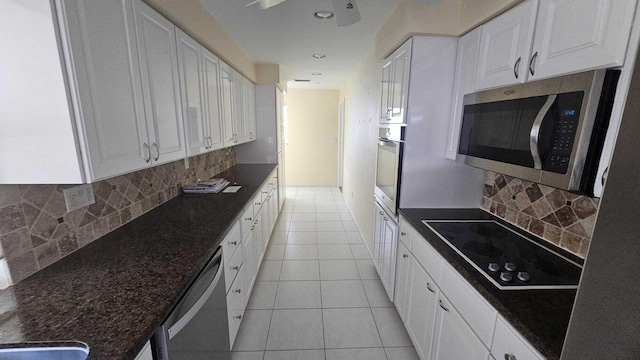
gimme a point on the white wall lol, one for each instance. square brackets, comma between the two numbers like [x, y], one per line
[362, 98]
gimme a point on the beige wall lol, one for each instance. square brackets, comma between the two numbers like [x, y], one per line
[310, 156]
[194, 18]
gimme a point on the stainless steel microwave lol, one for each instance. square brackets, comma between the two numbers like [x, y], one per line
[550, 131]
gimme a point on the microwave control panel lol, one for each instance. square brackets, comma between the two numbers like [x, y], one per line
[566, 116]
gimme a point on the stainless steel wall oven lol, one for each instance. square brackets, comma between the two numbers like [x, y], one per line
[389, 166]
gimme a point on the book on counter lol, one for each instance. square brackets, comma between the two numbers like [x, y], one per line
[211, 186]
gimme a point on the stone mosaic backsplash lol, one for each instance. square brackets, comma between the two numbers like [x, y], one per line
[558, 216]
[36, 230]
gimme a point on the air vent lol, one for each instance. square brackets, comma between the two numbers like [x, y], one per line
[301, 80]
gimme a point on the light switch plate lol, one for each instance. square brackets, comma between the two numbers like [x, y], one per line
[78, 196]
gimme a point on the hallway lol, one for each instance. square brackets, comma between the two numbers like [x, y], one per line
[318, 295]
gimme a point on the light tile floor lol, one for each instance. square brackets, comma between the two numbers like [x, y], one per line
[318, 295]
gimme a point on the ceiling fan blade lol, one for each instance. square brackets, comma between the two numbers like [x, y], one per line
[265, 4]
[346, 15]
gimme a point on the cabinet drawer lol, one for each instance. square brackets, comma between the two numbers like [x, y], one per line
[480, 316]
[257, 202]
[507, 341]
[232, 268]
[231, 242]
[405, 232]
[426, 256]
[247, 220]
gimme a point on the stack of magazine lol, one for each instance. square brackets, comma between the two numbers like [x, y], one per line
[211, 186]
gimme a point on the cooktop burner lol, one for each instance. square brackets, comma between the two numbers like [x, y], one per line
[509, 260]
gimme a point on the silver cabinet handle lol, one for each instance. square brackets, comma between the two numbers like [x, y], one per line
[238, 317]
[252, 228]
[516, 67]
[234, 243]
[248, 219]
[258, 203]
[509, 357]
[405, 256]
[402, 233]
[380, 212]
[532, 63]
[256, 222]
[385, 219]
[157, 151]
[237, 291]
[147, 156]
[433, 291]
[236, 268]
[604, 176]
[442, 306]
[534, 135]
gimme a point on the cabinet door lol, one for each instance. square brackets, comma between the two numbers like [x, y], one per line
[505, 46]
[385, 91]
[389, 245]
[190, 69]
[280, 122]
[248, 264]
[160, 82]
[402, 280]
[578, 35]
[464, 83]
[401, 66]
[106, 85]
[211, 79]
[454, 339]
[377, 238]
[258, 240]
[509, 344]
[238, 108]
[227, 111]
[421, 304]
[249, 110]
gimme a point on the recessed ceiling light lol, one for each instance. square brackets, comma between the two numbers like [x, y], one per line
[319, 56]
[323, 14]
[316, 74]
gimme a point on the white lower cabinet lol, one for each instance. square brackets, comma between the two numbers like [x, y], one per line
[453, 338]
[508, 344]
[422, 297]
[444, 315]
[385, 240]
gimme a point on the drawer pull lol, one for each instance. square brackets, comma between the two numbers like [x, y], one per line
[253, 228]
[403, 233]
[236, 268]
[257, 204]
[405, 256]
[433, 291]
[442, 306]
[234, 243]
[509, 357]
[248, 219]
[237, 291]
[238, 317]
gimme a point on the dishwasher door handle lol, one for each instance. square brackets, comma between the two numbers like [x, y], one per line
[191, 313]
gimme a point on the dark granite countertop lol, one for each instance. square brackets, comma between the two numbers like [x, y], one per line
[541, 316]
[113, 293]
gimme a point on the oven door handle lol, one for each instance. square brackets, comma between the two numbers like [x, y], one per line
[388, 143]
[534, 135]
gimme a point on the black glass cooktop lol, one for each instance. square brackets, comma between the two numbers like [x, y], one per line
[509, 260]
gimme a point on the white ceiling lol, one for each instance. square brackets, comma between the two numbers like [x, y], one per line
[288, 34]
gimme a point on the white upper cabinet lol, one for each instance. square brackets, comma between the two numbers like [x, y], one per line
[249, 102]
[104, 71]
[401, 60]
[227, 101]
[505, 46]
[464, 83]
[385, 92]
[579, 35]
[160, 83]
[191, 87]
[238, 108]
[211, 84]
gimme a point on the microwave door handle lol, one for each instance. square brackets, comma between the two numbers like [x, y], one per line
[534, 136]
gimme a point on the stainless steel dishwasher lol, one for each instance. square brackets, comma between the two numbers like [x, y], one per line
[197, 328]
